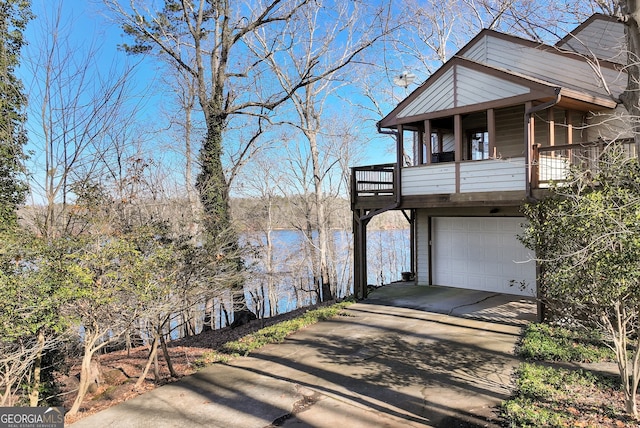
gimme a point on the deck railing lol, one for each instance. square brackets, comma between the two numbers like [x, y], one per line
[373, 180]
[548, 164]
[552, 164]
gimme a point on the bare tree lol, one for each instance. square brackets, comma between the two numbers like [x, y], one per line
[328, 50]
[260, 219]
[78, 105]
[207, 41]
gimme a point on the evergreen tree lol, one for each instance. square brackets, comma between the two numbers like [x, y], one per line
[14, 16]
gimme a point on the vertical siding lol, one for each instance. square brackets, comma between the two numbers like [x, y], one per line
[577, 121]
[422, 250]
[510, 132]
[541, 128]
[560, 122]
[475, 120]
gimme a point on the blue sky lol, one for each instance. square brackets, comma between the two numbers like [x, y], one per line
[86, 26]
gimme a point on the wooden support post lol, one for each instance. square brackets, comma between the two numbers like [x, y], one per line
[491, 130]
[427, 137]
[457, 131]
[400, 147]
[535, 167]
[359, 255]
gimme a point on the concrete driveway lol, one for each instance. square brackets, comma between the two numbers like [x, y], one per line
[390, 361]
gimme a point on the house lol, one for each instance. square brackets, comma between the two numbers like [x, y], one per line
[486, 133]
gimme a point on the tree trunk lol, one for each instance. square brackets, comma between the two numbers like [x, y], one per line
[156, 368]
[152, 354]
[323, 226]
[630, 406]
[85, 371]
[631, 96]
[167, 357]
[214, 194]
[34, 395]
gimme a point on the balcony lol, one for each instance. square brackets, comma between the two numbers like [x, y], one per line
[552, 164]
[492, 179]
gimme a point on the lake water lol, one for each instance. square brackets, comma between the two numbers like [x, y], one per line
[388, 256]
[387, 250]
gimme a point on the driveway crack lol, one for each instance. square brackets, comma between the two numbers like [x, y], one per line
[473, 303]
[309, 398]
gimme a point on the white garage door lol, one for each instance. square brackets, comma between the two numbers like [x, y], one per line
[481, 253]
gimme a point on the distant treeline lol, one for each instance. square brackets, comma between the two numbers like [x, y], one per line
[291, 213]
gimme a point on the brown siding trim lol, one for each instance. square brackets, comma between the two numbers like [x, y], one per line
[457, 133]
[479, 200]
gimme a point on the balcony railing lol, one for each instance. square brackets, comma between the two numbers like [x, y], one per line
[379, 183]
[552, 164]
[373, 180]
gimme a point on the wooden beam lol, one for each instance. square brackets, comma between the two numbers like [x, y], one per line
[551, 129]
[418, 158]
[400, 147]
[430, 250]
[529, 141]
[427, 136]
[457, 132]
[491, 129]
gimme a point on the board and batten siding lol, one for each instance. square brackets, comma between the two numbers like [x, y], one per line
[492, 175]
[422, 250]
[547, 66]
[429, 180]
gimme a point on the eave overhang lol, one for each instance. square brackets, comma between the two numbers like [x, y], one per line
[463, 86]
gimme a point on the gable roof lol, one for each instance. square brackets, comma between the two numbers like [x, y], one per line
[602, 36]
[496, 69]
[462, 83]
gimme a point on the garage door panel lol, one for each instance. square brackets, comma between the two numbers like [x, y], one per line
[481, 253]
